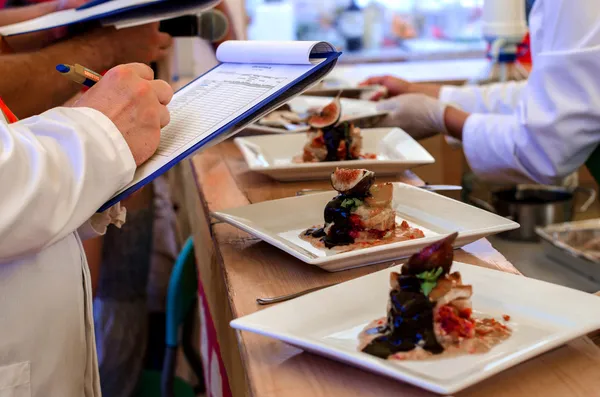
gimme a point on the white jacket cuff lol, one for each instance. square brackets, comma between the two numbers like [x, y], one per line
[489, 151]
[445, 96]
[98, 223]
[447, 93]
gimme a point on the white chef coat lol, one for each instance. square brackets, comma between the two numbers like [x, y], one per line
[550, 125]
[56, 170]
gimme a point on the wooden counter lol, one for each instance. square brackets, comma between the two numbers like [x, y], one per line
[236, 268]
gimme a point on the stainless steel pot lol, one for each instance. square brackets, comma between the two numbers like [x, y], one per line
[534, 205]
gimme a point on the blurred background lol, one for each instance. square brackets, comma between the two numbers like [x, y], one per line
[371, 30]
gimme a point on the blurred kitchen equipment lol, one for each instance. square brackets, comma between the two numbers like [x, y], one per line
[351, 25]
[575, 245]
[374, 33]
[533, 206]
[504, 28]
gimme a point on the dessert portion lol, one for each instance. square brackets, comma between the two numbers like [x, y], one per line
[284, 117]
[430, 312]
[332, 140]
[360, 215]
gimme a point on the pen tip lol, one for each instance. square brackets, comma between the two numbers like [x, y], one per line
[62, 68]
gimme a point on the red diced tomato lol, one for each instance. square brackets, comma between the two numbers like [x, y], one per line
[341, 152]
[451, 322]
[318, 141]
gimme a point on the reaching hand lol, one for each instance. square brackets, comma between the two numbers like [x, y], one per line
[136, 104]
[395, 86]
[418, 114]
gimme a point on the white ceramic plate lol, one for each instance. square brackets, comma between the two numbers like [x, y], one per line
[273, 155]
[354, 109]
[280, 222]
[327, 322]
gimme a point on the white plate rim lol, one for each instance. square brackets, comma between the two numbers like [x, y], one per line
[243, 143]
[311, 259]
[449, 386]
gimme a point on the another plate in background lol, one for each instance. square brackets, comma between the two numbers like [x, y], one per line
[280, 223]
[327, 322]
[352, 92]
[274, 155]
[363, 113]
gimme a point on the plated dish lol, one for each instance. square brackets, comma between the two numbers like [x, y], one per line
[294, 116]
[361, 215]
[386, 151]
[332, 140]
[333, 87]
[281, 223]
[329, 322]
[430, 314]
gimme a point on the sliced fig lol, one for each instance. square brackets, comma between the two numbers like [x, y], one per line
[349, 181]
[439, 254]
[328, 116]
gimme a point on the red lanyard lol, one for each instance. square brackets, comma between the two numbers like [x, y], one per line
[8, 115]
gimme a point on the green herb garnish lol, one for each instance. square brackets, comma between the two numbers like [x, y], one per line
[351, 203]
[429, 280]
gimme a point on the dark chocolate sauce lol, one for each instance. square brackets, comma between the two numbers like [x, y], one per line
[333, 137]
[409, 322]
[338, 219]
[316, 232]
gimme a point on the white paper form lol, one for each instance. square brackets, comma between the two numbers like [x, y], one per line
[272, 52]
[213, 100]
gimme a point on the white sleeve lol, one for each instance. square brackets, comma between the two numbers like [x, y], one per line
[492, 98]
[56, 170]
[556, 125]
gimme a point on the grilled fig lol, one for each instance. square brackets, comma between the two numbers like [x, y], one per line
[352, 182]
[328, 116]
[439, 254]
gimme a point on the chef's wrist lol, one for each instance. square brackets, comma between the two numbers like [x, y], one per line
[454, 120]
[429, 89]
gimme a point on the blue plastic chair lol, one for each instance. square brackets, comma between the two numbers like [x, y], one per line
[182, 302]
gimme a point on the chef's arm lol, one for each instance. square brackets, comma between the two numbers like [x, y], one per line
[556, 125]
[35, 72]
[554, 130]
[493, 98]
[56, 170]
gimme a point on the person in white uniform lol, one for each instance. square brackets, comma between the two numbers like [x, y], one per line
[56, 170]
[541, 130]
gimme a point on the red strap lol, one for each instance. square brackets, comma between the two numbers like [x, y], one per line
[8, 115]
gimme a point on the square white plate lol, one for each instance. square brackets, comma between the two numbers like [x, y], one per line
[280, 222]
[327, 322]
[273, 155]
[351, 109]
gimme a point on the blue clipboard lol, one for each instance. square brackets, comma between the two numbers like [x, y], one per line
[272, 102]
[92, 3]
